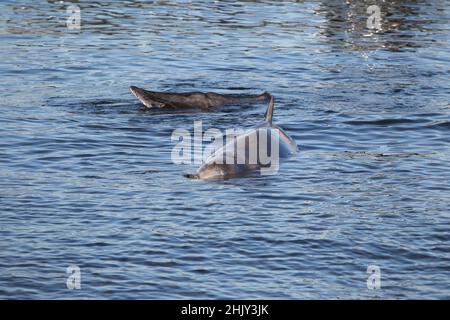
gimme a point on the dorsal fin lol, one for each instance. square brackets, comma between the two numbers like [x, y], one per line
[269, 112]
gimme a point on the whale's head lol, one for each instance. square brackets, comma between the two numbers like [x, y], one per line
[209, 171]
[146, 98]
[212, 171]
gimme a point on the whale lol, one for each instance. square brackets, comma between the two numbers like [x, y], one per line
[257, 151]
[198, 100]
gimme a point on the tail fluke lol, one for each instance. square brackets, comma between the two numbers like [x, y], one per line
[269, 112]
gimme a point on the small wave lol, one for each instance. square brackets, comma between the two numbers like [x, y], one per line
[383, 122]
[440, 125]
[366, 154]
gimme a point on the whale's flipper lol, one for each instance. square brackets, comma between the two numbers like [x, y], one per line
[269, 112]
[152, 99]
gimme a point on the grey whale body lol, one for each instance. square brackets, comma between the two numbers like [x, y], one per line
[200, 100]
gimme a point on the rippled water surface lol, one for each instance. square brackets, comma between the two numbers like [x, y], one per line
[86, 176]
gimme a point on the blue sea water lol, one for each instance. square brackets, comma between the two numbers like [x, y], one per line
[86, 176]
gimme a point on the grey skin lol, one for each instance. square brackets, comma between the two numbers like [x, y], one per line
[215, 168]
[200, 100]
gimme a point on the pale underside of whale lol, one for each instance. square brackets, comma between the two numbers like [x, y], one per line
[258, 151]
